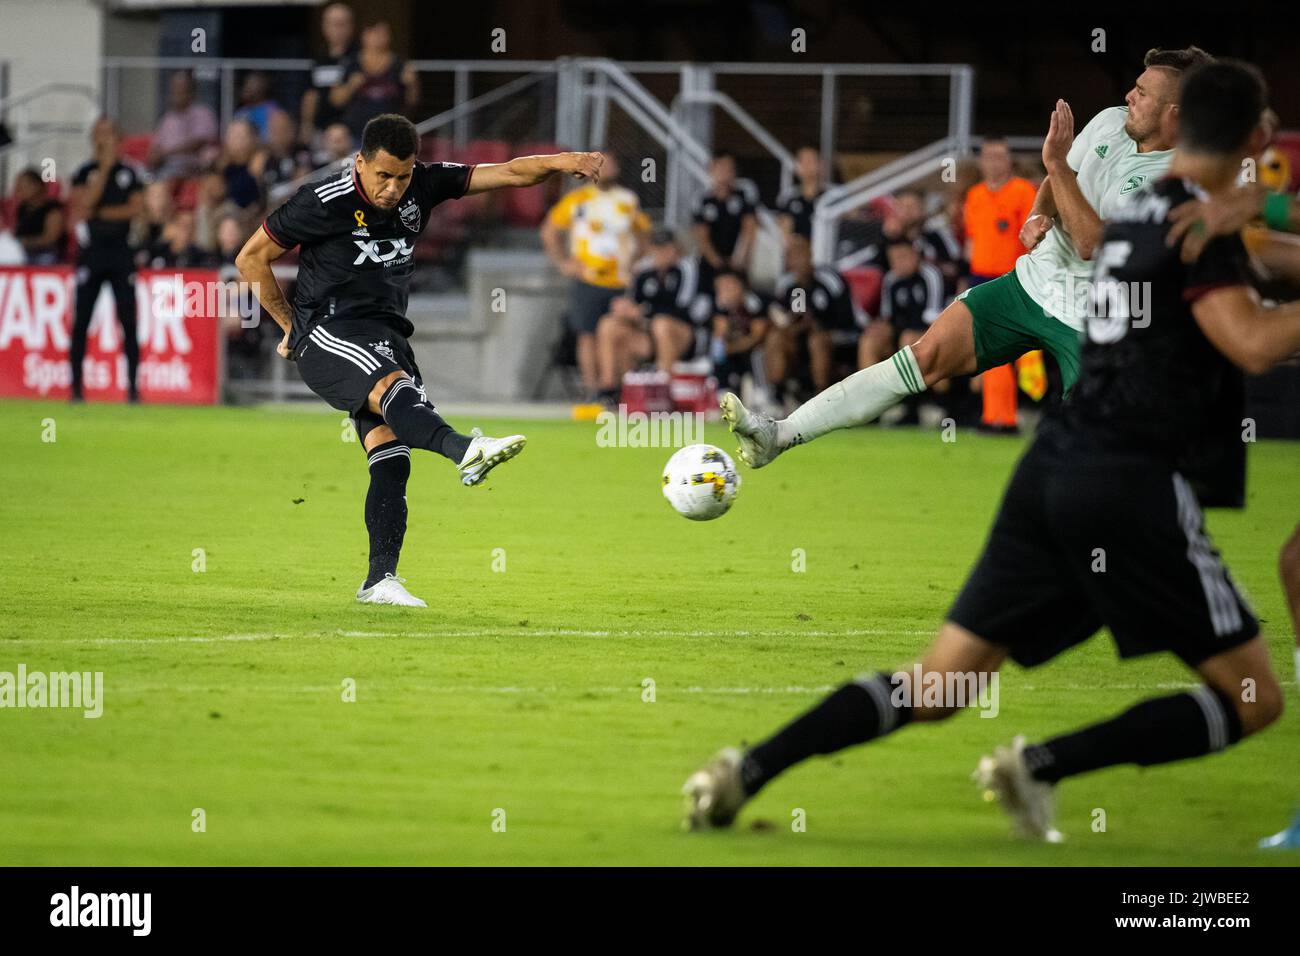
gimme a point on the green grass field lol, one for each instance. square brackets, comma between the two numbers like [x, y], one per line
[521, 690]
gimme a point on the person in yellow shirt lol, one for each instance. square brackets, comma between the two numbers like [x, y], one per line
[606, 231]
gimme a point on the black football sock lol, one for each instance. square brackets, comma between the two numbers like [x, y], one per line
[1155, 731]
[390, 466]
[854, 714]
[415, 423]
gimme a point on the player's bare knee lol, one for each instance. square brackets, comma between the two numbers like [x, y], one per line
[1288, 562]
[381, 386]
[1259, 704]
[379, 435]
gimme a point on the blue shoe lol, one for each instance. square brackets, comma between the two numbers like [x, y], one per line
[1288, 839]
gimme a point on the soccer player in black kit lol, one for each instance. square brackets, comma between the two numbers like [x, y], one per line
[1151, 433]
[347, 329]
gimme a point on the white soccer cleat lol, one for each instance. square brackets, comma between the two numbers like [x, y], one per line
[714, 794]
[1005, 777]
[390, 590]
[756, 433]
[484, 454]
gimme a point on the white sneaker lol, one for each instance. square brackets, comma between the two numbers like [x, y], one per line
[1005, 777]
[714, 793]
[756, 433]
[484, 454]
[388, 591]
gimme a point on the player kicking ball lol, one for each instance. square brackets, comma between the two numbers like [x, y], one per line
[1038, 305]
[347, 329]
[1150, 433]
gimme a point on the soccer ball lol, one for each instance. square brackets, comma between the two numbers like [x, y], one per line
[701, 482]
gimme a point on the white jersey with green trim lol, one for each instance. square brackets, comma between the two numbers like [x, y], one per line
[1108, 165]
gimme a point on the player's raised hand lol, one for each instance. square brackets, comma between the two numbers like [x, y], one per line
[1060, 136]
[1197, 221]
[585, 165]
[1032, 232]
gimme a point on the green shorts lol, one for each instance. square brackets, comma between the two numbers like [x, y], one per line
[1008, 323]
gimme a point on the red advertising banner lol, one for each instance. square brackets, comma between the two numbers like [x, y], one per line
[177, 325]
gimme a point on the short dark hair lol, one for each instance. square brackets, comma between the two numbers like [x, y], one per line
[901, 241]
[1218, 106]
[724, 154]
[726, 272]
[394, 134]
[1179, 60]
[31, 173]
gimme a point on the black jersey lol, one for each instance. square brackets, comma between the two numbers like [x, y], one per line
[124, 178]
[825, 296]
[356, 259]
[1150, 382]
[799, 208]
[667, 293]
[915, 301]
[725, 217]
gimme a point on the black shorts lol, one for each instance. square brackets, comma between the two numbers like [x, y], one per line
[342, 362]
[587, 305]
[1086, 539]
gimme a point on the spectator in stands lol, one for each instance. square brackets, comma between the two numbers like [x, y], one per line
[995, 209]
[107, 195]
[375, 81]
[725, 221]
[286, 157]
[159, 208]
[337, 147]
[185, 133]
[911, 298]
[255, 103]
[795, 207]
[606, 230]
[176, 248]
[338, 28]
[232, 233]
[39, 223]
[241, 165]
[653, 321]
[739, 324]
[814, 312]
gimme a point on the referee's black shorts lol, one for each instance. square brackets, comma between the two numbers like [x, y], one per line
[342, 362]
[1085, 540]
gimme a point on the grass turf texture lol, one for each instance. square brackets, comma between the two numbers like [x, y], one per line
[522, 689]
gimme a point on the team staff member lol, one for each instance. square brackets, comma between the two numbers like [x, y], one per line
[107, 194]
[996, 207]
[725, 221]
[606, 232]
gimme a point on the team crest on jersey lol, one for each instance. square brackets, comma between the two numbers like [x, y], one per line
[384, 349]
[410, 216]
[1101, 150]
[1132, 183]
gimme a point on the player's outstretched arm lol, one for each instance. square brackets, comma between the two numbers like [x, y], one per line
[531, 170]
[1252, 337]
[254, 265]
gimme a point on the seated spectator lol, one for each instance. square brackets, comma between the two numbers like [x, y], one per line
[814, 312]
[241, 164]
[795, 206]
[375, 81]
[286, 157]
[255, 103]
[232, 233]
[176, 248]
[739, 324]
[337, 148]
[907, 218]
[338, 29]
[39, 222]
[158, 210]
[654, 321]
[186, 136]
[911, 298]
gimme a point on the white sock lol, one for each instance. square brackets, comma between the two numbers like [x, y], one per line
[855, 401]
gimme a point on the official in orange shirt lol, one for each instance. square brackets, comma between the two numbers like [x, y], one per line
[995, 209]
